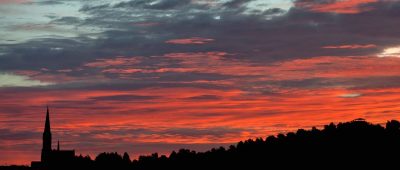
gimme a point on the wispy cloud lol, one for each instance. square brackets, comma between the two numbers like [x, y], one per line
[193, 40]
[353, 46]
[118, 61]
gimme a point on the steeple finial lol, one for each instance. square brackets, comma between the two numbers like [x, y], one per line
[58, 145]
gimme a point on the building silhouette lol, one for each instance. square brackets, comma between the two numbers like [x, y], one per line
[52, 157]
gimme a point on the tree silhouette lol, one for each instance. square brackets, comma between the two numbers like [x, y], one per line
[356, 144]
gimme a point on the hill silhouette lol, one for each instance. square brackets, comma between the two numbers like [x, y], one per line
[356, 144]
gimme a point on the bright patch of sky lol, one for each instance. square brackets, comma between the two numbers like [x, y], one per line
[351, 95]
[12, 80]
[267, 4]
[263, 5]
[390, 52]
[24, 21]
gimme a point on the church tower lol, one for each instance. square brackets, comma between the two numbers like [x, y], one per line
[46, 150]
[53, 159]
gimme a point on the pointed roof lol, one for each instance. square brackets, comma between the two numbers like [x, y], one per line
[47, 125]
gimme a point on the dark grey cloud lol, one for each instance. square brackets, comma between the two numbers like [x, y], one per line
[87, 8]
[236, 3]
[153, 4]
[252, 37]
[273, 11]
[39, 53]
[12, 135]
[49, 2]
[67, 20]
[368, 82]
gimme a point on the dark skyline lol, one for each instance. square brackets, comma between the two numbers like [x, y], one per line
[353, 144]
[144, 76]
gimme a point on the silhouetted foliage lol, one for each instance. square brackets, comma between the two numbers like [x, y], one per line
[14, 167]
[111, 161]
[352, 144]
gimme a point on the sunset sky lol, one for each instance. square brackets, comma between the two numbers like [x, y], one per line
[146, 76]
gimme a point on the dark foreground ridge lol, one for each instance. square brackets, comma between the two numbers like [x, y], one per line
[351, 144]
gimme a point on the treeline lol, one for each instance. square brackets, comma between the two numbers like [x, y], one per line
[351, 144]
[356, 143]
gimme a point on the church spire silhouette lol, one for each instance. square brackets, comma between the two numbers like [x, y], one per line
[52, 158]
[46, 150]
[47, 124]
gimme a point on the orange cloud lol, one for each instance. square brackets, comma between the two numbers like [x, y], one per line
[353, 46]
[337, 6]
[118, 61]
[221, 63]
